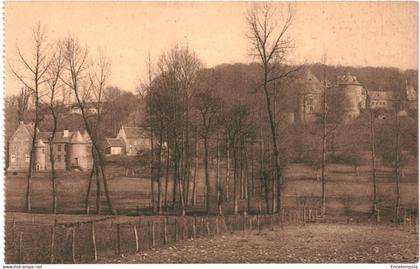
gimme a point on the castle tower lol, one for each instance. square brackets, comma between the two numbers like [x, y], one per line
[40, 155]
[79, 152]
[309, 98]
[352, 94]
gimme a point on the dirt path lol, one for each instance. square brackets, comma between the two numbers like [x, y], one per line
[317, 243]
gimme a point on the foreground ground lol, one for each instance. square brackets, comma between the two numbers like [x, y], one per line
[316, 243]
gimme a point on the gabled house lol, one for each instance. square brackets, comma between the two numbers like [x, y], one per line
[135, 139]
[20, 147]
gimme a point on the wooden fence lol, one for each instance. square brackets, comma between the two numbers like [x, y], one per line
[86, 242]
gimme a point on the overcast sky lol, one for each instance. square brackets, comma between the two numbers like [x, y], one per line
[358, 34]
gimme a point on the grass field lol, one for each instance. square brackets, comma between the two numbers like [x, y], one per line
[316, 243]
[132, 194]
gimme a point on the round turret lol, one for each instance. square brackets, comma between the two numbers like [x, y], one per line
[79, 152]
[352, 93]
[40, 148]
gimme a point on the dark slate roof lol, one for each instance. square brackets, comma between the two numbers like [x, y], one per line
[134, 132]
[114, 142]
[58, 137]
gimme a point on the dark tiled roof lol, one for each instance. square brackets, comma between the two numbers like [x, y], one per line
[114, 142]
[58, 137]
[134, 132]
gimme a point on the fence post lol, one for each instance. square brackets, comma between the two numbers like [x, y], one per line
[271, 222]
[118, 240]
[165, 231]
[20, 254]
[258, 223]
[153, 235]
[208, 226]
[136, 237]
[244, 222]
[176, 230]
[52, 241]
[203, 226]
[13, 229]
[224, 223]
[183, 228]
[195, 227]
[73, 244]
[95, 251]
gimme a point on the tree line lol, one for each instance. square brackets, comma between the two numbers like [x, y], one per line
[237, 114]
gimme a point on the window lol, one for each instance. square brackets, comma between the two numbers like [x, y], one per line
[13, 158]
[59, 157]
[27, 157]
[59, 147]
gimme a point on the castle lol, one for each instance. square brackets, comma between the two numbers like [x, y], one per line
[71, 150]
[354, 98]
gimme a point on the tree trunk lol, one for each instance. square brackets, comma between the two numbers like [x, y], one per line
[397, 169]
[206, 171]
[373, 159]
[52, 161]
[152, 185]
[248, 192]
[218, 187]
[175, 175]
[235, 179]
[89, 188]
[227, 172]
[159, 167]
[32, 153]
[194, 188]
[167, 175]
[98, 191]
[273, 134]
[324, 148]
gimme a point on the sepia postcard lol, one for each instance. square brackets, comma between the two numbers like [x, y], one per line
[210, 133]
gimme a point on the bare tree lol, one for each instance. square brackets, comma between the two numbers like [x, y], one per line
[372, 154]
[208, 108]
[78, 80]
[53, 83]
[33, 76]
[23, 102]
[270, 44]
[95, 95]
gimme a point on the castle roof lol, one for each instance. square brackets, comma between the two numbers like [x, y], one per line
[347, 79]
[77, 138]
[310, 83]
[39, 143]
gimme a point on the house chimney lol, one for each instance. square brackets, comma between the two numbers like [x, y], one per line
[66, 133]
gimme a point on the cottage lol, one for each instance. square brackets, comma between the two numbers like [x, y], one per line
[135, 139]
[114, 146]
